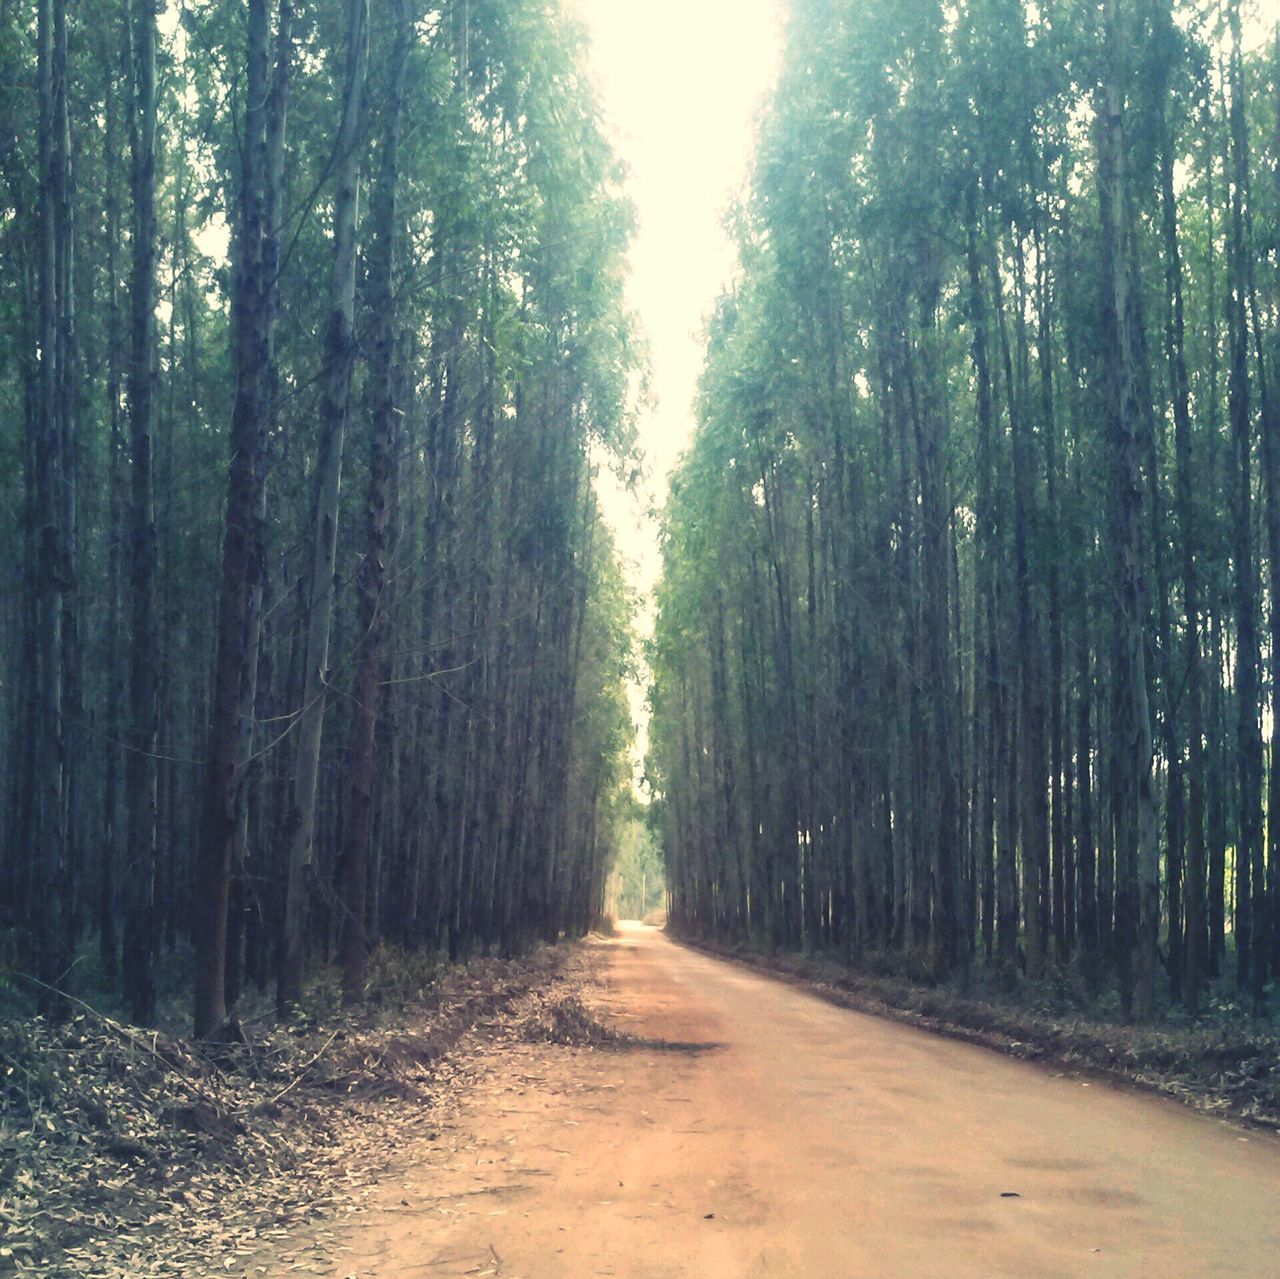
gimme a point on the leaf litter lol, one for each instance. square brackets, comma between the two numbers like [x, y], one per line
[126, 1152]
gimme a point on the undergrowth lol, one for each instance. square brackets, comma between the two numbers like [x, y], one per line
[106, 1129]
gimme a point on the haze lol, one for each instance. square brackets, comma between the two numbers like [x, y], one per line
[681, 113]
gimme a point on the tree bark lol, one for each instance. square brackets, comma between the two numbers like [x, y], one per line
[1248, 737]
[371, 661]
[339, 354]
[139, 942]
[49, 836]
[218, 820]
[1187, 950]
[1137, 851]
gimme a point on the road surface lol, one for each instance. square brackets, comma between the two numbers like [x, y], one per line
[815, 1142]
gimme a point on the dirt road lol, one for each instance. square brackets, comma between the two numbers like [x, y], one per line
[814, 1142]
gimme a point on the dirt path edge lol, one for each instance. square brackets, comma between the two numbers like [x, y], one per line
[1229, 1074]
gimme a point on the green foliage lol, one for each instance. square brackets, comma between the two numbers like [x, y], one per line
[638, 885]
[502, 724]
[886, 655]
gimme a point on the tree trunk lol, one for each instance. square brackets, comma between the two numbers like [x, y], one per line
[370, 659]
[1189, 946]
[139, 942]
[1248, 738]
[1137, 851]
[48, 845]
[218, 820]
[339, 351]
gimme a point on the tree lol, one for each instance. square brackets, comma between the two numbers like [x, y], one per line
[51, 432]
[371, 621]
[339, 359]
[252, 346]
[140, 776]
[932, 427]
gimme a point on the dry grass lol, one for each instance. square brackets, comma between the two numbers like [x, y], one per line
[109, 1136]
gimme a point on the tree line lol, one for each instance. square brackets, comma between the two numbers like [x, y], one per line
[636, 885]
[311, 637]
[969, 637]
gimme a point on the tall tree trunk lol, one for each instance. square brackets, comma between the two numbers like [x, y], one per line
[370, 660]
[249, 768]
[1271, 461]
[1062, 860]
[48, 849]
[935, 515]
[218, 819]
[1137, 850]
[339, 355]
[1215, 765]
[1186, 946]
[110, 839]
[139, 942]
[1263, 872]
[1248, 737]
[1032, 784]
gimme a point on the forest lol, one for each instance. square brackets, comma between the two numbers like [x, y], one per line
[312, 640]
[968, 649]
[466, 808]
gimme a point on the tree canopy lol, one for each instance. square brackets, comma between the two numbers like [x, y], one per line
[311, 636]
[969, 635]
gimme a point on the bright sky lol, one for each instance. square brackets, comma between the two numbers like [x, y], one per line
[680, 82]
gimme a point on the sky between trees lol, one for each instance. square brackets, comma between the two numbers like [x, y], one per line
[681, 114]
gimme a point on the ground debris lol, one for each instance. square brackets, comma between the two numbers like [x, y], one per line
[564, 1019]
[136, 1153]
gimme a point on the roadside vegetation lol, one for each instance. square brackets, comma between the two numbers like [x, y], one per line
[967, 660]
[130, 1152]
[312, 639]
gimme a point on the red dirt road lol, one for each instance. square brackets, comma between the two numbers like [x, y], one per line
[815, 1142]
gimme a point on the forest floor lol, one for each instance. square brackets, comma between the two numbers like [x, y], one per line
[136, 1153]
[1224, 1062]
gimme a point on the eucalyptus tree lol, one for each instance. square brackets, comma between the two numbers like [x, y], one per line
[943, 488]
[228, 664]
[141, 776]
[339, 368]
[252, 320]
